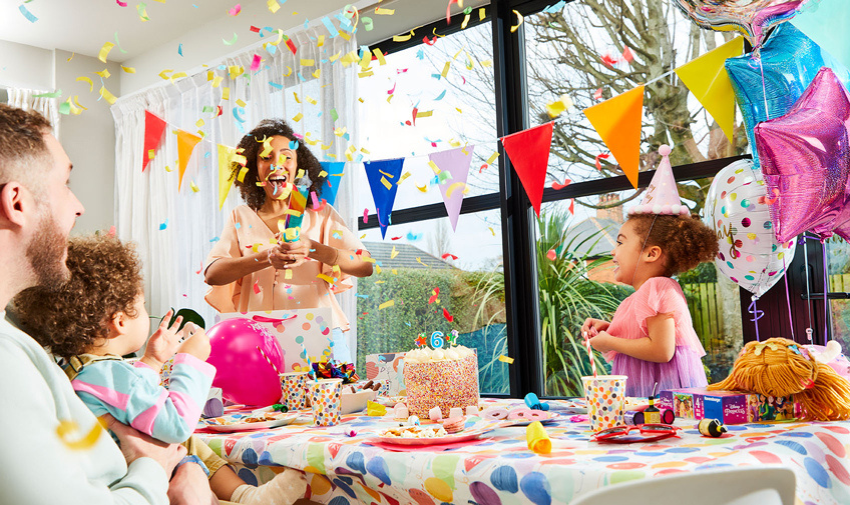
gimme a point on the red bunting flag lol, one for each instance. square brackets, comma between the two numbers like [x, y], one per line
[529, 154]
[154, 126]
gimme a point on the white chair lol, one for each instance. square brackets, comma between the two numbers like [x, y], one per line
[722, 486]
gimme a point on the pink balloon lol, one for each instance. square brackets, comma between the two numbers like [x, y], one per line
[242, 373]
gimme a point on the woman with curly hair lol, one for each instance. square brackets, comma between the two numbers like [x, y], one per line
[251, 267]
[651, 337]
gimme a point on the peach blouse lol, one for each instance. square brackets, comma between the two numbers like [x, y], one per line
[269, 289]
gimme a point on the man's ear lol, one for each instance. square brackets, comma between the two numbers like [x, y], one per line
[15, 199]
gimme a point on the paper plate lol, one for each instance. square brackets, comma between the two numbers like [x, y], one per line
[231, 422]
[448, 439]
[552, 417]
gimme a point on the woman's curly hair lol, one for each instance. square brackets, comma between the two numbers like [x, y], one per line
[105, 280]
[251, 144]
[685, 240]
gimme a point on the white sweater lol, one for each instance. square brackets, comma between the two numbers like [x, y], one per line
[36, 467]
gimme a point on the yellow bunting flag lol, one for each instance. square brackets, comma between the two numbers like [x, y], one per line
[186, 143]
[225, 172]
[708, 80]
[618, 121]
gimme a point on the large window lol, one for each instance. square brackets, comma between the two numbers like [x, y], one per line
[575, 52]
[427, 99]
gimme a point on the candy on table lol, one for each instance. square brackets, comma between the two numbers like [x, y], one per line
[435, 414]
[401, 411]
[454, 424]
[413, 421]
[456, 412]
[472, 410]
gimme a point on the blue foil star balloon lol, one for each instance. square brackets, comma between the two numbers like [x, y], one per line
[805, 158]
[768, 88]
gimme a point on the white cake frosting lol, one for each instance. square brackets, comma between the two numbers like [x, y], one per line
[428, 355]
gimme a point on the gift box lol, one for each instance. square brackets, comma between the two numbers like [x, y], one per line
[730, 407]
[388, 369]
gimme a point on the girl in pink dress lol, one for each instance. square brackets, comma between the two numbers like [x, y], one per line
[651, 337]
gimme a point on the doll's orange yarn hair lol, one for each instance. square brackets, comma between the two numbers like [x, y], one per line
[779, 367]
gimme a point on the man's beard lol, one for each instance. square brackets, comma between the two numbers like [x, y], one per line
[45, 253]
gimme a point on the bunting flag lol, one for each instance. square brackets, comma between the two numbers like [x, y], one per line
[225, 172]
[456, 163]
[529, 154]
[383, 176]
[186, 143]
[708, 80]
[618, 121]
[335, 171]
[154, 126]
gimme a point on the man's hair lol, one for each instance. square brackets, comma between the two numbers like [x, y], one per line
[105, 279]
[22, 145]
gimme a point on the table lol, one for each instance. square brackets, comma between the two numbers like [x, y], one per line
[501, 470]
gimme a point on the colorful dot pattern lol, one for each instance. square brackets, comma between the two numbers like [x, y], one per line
[444, 384]
[294, 390]
[606, 401]
[324, 397]
[500, 470]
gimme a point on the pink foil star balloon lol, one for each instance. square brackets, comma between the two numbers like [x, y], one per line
[805, 158]
[751, 17]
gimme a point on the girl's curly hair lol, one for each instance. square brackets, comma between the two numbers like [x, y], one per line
[685, 240]
[254, 195]
[105, 279]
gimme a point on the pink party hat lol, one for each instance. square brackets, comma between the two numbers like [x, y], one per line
[662, 195]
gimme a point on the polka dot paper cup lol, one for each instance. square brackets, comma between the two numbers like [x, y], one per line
[606, 400]
[293, 387]
[324, 397]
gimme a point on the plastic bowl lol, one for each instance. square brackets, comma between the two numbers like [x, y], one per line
[355, 402]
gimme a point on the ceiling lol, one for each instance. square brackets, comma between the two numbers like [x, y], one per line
[83, 26]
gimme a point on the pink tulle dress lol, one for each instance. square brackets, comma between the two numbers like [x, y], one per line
[658, 295]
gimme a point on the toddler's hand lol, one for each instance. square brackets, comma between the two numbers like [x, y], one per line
[197, 342]
[164, 343]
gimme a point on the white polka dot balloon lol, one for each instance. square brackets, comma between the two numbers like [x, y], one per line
[738, 210]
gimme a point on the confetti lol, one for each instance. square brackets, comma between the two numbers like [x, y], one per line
[388, 303]
[235, 10]
[551, 255]
[109, 97]
[449, 255]
[142, 9]
[505, 359]
[435, 293]
[255, 63]
[273, 6]
[492, 231]
[27, 14]
[559, 106]
[325, 278]
[55, 94]
[384, 12]
[556, 186]
[104, 51]
[597, 95]
[601, 157]
[88, 80]
[129, 70]
[519, 22]
[365, 216]
[450, 318]
[257, 289]
[164, 225]
[393, 253]
[231, 41]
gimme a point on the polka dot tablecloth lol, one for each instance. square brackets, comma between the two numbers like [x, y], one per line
[501, 470]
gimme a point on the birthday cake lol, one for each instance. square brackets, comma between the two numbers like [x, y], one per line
[444, 378]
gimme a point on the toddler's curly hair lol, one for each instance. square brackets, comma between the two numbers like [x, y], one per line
[105, 279]
[685, 240]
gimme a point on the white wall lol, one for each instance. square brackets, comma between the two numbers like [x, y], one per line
[89, 139]
[23, 66]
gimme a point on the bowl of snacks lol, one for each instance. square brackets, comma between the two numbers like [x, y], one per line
[353, 399]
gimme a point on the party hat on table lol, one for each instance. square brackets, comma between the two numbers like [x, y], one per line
[662, 194]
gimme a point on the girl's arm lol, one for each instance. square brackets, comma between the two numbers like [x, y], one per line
[658, 347]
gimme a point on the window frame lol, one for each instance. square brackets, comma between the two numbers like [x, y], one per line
[518, 227]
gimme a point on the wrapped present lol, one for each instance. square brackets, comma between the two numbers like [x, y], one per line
[336, 370]
[730, 407]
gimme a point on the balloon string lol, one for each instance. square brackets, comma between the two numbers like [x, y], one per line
[763, 87]
[825, 295]
[757, 314]
[788, 298]
[808, 286]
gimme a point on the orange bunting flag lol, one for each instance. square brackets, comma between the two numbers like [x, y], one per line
[225, 172]
[186, 143]
[529, 154]
[708, 80]
[618, 121]
[154, 126]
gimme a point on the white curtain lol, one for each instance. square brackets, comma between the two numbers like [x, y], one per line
[175, 230]
[23, 99]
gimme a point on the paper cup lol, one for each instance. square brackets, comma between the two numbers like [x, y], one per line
[606, 400]
[293, 386]
[324, 397]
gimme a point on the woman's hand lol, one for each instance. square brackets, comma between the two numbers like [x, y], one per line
[295, 253]
[164, 343]
[603, 342]
[592, 327]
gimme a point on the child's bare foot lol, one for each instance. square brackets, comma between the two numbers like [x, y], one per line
[286, 487]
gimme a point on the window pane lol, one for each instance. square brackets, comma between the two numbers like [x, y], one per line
[471, 290]
[445, 83]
